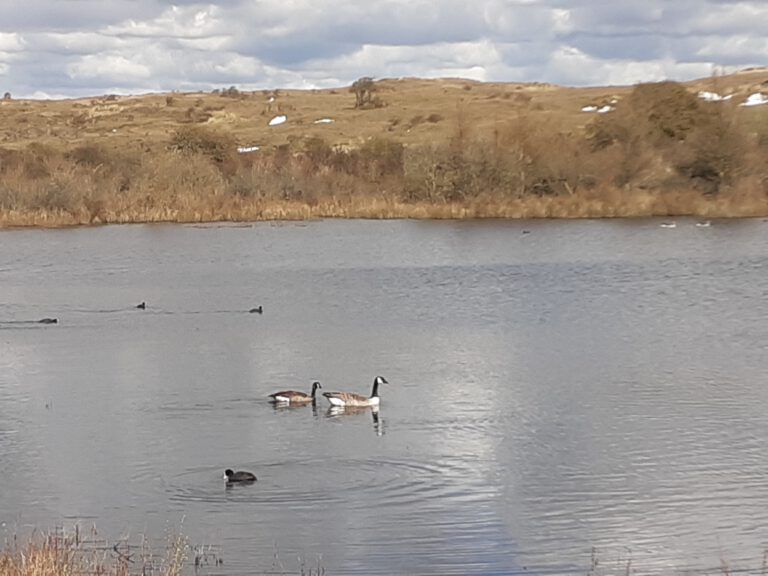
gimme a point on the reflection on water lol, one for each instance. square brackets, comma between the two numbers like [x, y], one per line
[341, 411]
[584, 384]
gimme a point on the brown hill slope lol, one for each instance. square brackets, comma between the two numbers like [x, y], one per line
[448, 147]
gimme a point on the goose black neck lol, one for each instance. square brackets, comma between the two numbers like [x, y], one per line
[375, 392]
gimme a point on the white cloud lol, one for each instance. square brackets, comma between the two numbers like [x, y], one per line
[97, 46]
[10, 42]
[110, 67]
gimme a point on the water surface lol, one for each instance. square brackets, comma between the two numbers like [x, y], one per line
[554, 387]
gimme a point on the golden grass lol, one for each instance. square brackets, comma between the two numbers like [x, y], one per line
[436, 149]
[57, 554]
[608, 205]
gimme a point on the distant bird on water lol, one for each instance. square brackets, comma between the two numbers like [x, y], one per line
[238, 477]
[350, 399]
[48, 321]
[295, 397]
[257, 310]
[141, 306]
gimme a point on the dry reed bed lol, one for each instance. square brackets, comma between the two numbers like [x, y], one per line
[76, 554]
[663, 152]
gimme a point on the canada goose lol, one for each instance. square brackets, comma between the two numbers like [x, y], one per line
[350, 399]
[142, 306]
[48, 321]
[294, 397]
[257, 310]
[239, 476]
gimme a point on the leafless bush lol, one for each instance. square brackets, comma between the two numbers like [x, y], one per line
[215, 146]
[364, 89]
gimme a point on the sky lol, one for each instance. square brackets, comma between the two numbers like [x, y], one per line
[72, 48]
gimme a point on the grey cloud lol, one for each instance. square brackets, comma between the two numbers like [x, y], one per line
[95, 46]
[68, 15]
[623, 47]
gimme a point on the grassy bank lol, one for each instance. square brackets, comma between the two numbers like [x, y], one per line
[426, 149]
[78, 554]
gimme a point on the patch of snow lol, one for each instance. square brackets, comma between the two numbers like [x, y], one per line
[244, 149]
[756, 99]
[589, 109]
[324, 121]
[713, 96]
[277, 120]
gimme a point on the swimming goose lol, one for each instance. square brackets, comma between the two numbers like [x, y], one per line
[257, 310]
[349, 399]
[142, 306]
[294, 397]
[239, 476]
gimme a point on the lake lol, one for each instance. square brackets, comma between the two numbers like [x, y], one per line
[559, 392]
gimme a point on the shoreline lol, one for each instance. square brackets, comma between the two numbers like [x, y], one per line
[557, 208]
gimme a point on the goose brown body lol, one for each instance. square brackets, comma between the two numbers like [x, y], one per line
[294, 396]
[351, 399]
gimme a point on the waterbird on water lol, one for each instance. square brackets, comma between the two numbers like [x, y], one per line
[48, 321]
[257, 310]
[295, 397]
[238, 477]
[350, 399]
[141, 306]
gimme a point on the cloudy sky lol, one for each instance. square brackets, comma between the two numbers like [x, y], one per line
[88, 47]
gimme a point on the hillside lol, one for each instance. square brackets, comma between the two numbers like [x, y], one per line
[416, 116]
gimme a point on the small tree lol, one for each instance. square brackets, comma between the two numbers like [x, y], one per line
[363, 88]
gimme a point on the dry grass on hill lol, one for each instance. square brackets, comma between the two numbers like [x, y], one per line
[422, 148]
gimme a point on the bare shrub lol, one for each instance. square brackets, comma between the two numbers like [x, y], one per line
[382, 158]
[217, 147]
[318, 151]
[231, 92]
[117, 166]
[668, 138]
[715, 153]
[364, 89]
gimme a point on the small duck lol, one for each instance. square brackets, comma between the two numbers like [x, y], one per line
[240, 476]
[350, 399]
[257, 310]
[295, 397]
[142, 306]
[48, 321]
